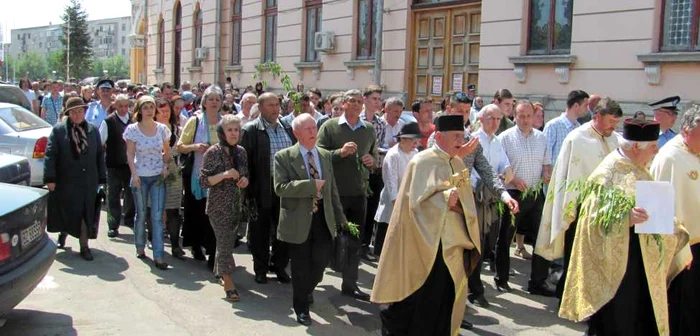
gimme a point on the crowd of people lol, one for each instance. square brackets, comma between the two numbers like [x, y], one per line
[435, 198]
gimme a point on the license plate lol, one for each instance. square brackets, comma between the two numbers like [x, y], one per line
[30, 234]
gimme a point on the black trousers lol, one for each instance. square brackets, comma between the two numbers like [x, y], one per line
[355, 210]
[476, 286]
[569, 236]
[684, 298]
[196, 229]
[529, 219]
[428, 311]
[118, 180]
[309, 259]
[379, 238]
[263, 232]
[630, 312]
[376, 184]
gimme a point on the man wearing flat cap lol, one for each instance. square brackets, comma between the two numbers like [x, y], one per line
[665, 113]
[422, 273]
[619, 279]
[99, 110]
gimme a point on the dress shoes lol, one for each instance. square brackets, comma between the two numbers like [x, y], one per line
[283, 277]
[466, 325]
[178, 253]
[503, 287]
[113, 233]
[542, 290]
[355, 293]
[479, 300]
[197, 254]
[86, 254]
[261, 278]
[304, 319]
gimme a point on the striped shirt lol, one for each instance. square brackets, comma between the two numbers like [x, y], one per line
[556, 131]
[379, 128]
[527, 154]
[279, 140]
[53, 108]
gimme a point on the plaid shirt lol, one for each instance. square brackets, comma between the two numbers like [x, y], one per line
[379, 128]
[556, 131]
[527, 154]
[279, 140]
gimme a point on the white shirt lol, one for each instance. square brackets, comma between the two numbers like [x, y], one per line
[148, 156]
[494, 153]
[104, 133]
[392, 131]
[31, 96]
[393, 169]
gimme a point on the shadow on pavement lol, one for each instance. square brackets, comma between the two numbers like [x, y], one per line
[23, 322]
[106, 266]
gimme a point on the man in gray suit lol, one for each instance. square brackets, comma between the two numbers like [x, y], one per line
[309, 211]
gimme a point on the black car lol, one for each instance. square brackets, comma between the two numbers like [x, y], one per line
[26, 251]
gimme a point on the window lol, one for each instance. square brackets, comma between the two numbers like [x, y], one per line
[270, 31]
[197, 33]
[123, 52]
[123, 39]
[236, 32]
[123, 27]
[161, 43]
[366, 29]
[681, 26]
[313, 25]
[550, 26]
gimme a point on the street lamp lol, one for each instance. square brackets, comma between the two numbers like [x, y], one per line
[105, 72]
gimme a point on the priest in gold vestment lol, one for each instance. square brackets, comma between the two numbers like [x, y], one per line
[618, 279]
[422, 271]
[582, 151]
[679, 163]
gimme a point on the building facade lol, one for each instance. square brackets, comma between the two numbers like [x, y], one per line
[110, 37]
[632, 50]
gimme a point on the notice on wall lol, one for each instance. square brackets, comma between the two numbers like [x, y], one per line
[437, 85]
[457, 82]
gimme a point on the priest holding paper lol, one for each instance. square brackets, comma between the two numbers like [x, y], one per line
[582, 151]
[618, 278]
[679, 163]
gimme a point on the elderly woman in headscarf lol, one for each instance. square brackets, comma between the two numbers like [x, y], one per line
[225, 173]
[74, 167]
[197, 136]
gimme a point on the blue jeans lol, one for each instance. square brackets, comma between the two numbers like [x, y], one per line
[154, 188]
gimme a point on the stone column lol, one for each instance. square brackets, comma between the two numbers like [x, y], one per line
[138, 52]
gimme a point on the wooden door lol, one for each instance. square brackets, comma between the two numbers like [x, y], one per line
[446, 51]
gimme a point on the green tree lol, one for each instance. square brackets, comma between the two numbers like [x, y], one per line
[31, 65]
[80, 41]
[8, 66]
[117, 67]
[97, 66]
[56, 62]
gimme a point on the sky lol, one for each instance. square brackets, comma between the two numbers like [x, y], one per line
[16, 14]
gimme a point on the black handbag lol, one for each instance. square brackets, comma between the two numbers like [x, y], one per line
[186, 161]
[345, 246]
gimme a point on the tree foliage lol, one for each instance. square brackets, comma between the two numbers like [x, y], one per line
[32, 66]
[117, 67]
[80, 41]
[56, 62]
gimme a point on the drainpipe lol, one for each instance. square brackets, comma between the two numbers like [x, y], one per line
[217, 45]
[379, 21]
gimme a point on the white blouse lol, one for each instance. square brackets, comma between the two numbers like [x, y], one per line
[393, 169]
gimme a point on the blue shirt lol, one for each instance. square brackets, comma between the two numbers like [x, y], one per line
[556, 131]
[355, 127]
[95, 114]
[279, 140]
[53, 108]
[317, 160]
[664, 137]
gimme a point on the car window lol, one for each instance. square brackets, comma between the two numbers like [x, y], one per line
[13, 95]
[19, 119]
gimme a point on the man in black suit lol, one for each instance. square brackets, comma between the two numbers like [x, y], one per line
[262, 138]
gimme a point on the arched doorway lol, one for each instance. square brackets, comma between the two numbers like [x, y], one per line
[177, 44]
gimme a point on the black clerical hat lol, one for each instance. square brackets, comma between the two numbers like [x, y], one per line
[640, 130]
[670, 103]
[446, 123]
[411, 131]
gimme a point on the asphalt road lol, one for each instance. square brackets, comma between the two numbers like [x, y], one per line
[118, 294]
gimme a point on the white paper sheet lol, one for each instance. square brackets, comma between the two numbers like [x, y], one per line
[658, 199]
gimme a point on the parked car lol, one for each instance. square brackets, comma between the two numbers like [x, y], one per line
[23, 133]
[26, 251]
[14, 95]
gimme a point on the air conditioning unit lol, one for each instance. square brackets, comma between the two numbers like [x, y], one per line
[324, 41]
[201, 53]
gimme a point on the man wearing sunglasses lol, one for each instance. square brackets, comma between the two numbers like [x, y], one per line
[98, 111]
